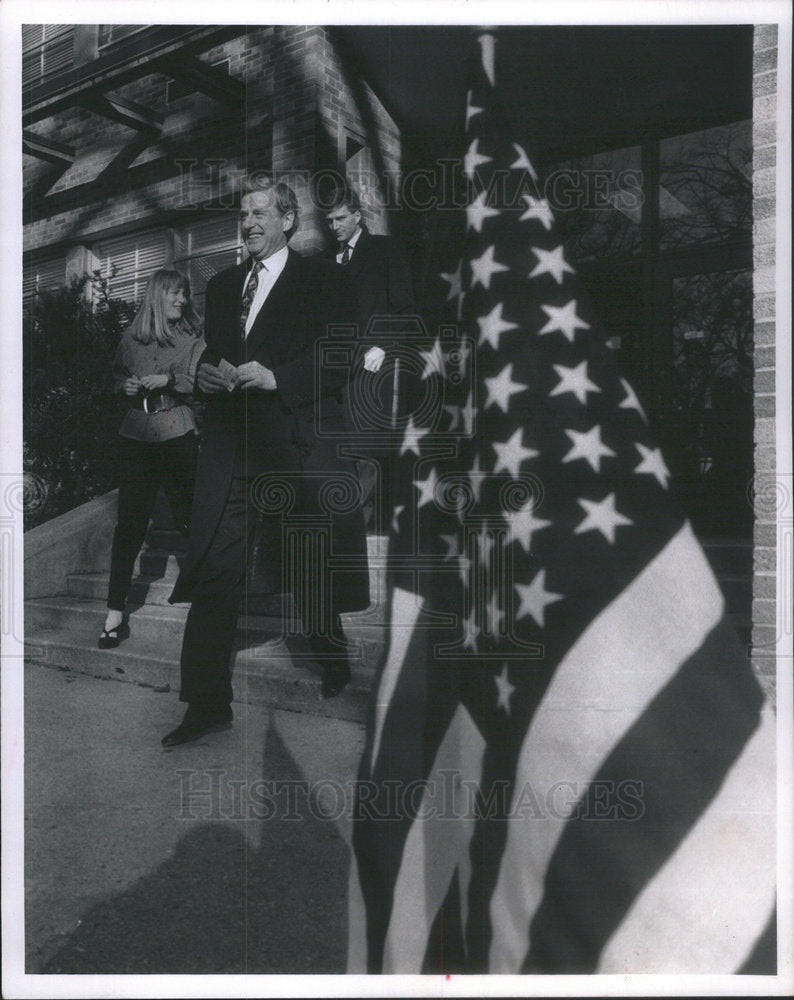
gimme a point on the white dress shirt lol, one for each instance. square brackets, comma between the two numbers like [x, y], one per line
[272, 267]
[350, 243]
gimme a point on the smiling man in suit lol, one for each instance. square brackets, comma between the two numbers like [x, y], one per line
[381, 276]
[270, 422]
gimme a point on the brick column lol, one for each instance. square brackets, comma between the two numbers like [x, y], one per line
[767, 500]
[314, 111]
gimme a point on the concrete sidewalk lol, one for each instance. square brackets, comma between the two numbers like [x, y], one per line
[228, 855]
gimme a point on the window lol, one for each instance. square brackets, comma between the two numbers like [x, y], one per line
[706, 186]
[109, 33]
[127, 261]
[662, 235]
[46, 49]
[597, 202]
[205, 247]
[42, 276]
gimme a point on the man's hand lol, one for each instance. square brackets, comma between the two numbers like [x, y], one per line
[252, 375]
[373, 359]
[150, 382]
[209, 378]
[132, 385]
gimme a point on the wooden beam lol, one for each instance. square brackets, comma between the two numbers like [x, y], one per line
[125, 61]
[205, 78]
[122, 110]
[47, 149]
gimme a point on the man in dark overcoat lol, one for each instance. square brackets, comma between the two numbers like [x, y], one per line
[269, 444]
[381, 275]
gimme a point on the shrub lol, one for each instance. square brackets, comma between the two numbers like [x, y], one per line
[70, 413]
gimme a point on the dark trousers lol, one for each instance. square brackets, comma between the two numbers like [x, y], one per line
[372, 414]
[208, 641]
[145, 467]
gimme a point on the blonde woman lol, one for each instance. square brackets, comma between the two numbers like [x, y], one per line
[154, 369]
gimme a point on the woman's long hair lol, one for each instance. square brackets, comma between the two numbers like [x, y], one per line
[150, 322]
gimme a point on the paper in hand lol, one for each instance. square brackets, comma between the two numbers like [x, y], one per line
[229, 372]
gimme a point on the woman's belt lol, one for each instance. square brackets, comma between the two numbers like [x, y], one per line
[155, 402]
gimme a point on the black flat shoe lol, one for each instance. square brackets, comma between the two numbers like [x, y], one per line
[110, 638]
[336, 677]
[188, 731]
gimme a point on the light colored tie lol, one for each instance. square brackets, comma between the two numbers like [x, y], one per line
[248, 296]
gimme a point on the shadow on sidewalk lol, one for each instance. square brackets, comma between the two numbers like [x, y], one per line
[219, 905]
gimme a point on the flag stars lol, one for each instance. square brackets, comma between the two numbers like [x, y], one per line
[588, 446]
[483, 268]
[510, 454]
[537, 208]
[427, 488]
[602, 516]
[494, 615]
[653, 464]
[473, 159]
[493, 326]
[434, 360]
[471, 110]
[454, 416]
[455, 281]
[574, 380]
[501, 388]
[563, 320]
[504, 689]
[535, 599]
[550, 262]
[488, 52]
[523, 524]
[478, 212]
[413, 435]
[485, 545]
[476, 478]
[468, 413]
[451, 542]
[631, 402]
[470, 633]
[522, 162]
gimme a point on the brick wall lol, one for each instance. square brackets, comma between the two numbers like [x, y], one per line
[299, 110]
[767, 497]
[315, 111]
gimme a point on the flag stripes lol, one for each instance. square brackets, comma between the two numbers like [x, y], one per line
[572, 681]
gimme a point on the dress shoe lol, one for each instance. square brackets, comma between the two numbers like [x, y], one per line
[193, 727]
[336, 677]
[111, 637]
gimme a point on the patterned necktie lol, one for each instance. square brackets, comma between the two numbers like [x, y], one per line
[346, 254]
[248, 295]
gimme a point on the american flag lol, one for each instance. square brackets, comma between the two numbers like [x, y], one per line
[570, 764]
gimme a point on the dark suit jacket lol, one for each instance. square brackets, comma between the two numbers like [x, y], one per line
[289, 436]
[382, 277]
[383, 284]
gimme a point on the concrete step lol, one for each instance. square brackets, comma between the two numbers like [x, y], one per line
[270, 669]
[156, 591]
[160, 563]
[275, 680]
[161, 627]
[157, 569]
[153, 590]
